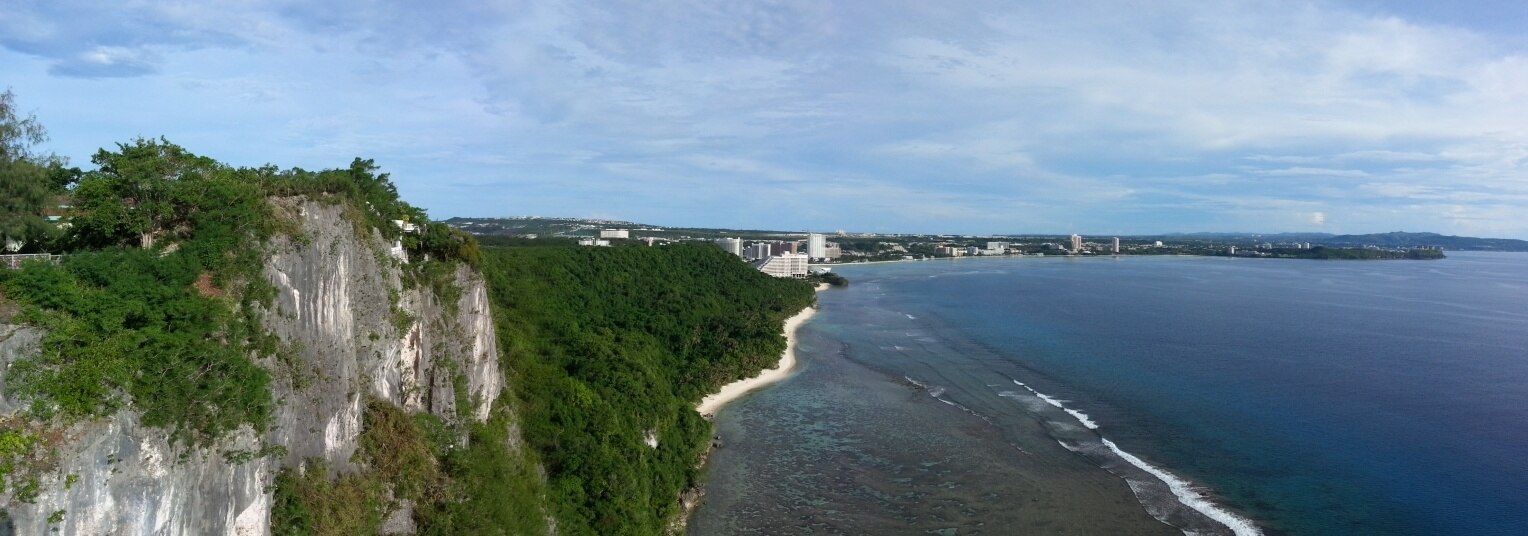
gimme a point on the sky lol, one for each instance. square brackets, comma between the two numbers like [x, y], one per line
[889, 116]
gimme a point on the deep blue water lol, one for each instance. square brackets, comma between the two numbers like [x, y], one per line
[1312, 397]
[1315, 397]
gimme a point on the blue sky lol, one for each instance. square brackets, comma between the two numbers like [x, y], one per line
[949, 117]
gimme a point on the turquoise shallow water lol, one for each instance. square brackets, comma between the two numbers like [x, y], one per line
[1312, 397]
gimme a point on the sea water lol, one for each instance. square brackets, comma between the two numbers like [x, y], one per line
[1231, 395]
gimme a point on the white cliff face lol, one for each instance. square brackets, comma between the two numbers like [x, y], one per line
[334, 313]
[484, 379]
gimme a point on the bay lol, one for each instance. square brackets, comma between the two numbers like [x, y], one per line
[1309, 397]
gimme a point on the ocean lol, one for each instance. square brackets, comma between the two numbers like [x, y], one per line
[1101, 395]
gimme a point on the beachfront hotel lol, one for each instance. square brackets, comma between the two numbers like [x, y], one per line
[786, 265]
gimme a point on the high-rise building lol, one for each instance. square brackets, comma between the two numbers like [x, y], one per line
[1076, 244]
[1116, 244]
[757, 250]
[731, 245]
[615, 233]
[816, 246]
[787, 265]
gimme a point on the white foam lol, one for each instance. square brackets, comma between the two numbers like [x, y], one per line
[1188, 496]
[1180, 488]
[1080, 416]
[910, 317]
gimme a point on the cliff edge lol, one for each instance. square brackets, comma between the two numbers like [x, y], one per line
[352, 324]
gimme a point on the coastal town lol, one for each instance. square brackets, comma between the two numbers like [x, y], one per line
[801, 254]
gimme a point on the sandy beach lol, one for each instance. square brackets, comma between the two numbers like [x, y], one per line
[732, 391]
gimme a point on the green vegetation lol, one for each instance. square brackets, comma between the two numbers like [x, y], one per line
[28, 179]
[15, 445]
[123, 323]
[159, 308]
[484, 487]
[1326, 253]
[310, 503]
[604, 346]
[829, 278]
[159, 304]
[492, 488]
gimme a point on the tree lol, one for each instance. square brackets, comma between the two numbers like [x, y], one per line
[137, 192]
[25, 177]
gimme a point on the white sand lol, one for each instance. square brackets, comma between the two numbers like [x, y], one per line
[732, 391]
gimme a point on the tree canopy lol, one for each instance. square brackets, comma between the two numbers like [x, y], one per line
[26, 177]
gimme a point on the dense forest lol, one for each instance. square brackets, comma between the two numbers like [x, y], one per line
[1326, 253]
[156, 305]
[610, 349]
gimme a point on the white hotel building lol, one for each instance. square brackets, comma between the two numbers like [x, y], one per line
[785, 265]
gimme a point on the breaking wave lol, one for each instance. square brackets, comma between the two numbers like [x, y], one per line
[1080, 416]
[1187, 495]
[1181, 489]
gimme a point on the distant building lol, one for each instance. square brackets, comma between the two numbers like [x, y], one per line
[1116, 244]
[1076, 244]
[787, 265]
[731, 245]
[594, 242]
[615, 233]
[832, 252]
[406, 226]
[757, 250]
[997, 248]
[1231, 250]
[973, 251]
[1158, 243]
[816, 246]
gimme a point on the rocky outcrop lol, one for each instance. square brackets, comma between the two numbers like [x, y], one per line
[349, 328]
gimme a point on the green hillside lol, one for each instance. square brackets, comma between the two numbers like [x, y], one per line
[606, 345]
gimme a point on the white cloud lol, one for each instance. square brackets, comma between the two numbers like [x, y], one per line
[1313, 172]
[1163, 113]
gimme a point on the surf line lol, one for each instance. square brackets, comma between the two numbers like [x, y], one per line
[1181, 489]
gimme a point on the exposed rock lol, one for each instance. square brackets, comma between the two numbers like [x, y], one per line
[338, 315]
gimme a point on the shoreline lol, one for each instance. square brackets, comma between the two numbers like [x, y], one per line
[714, 402]
[690, 498]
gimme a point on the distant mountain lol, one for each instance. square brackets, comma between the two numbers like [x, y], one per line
[535, 225]
[1402, 240]
[581, 227]
[1307, 237]
[1384, 240]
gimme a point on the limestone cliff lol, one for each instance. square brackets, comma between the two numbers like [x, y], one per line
[349, 328]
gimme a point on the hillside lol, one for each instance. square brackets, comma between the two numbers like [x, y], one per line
[1407, 240]
[230, 350]
[578, 227]
[609, 349]
[227, 350]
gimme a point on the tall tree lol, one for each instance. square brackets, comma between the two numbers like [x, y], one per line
[26, 185]
[138, 192]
